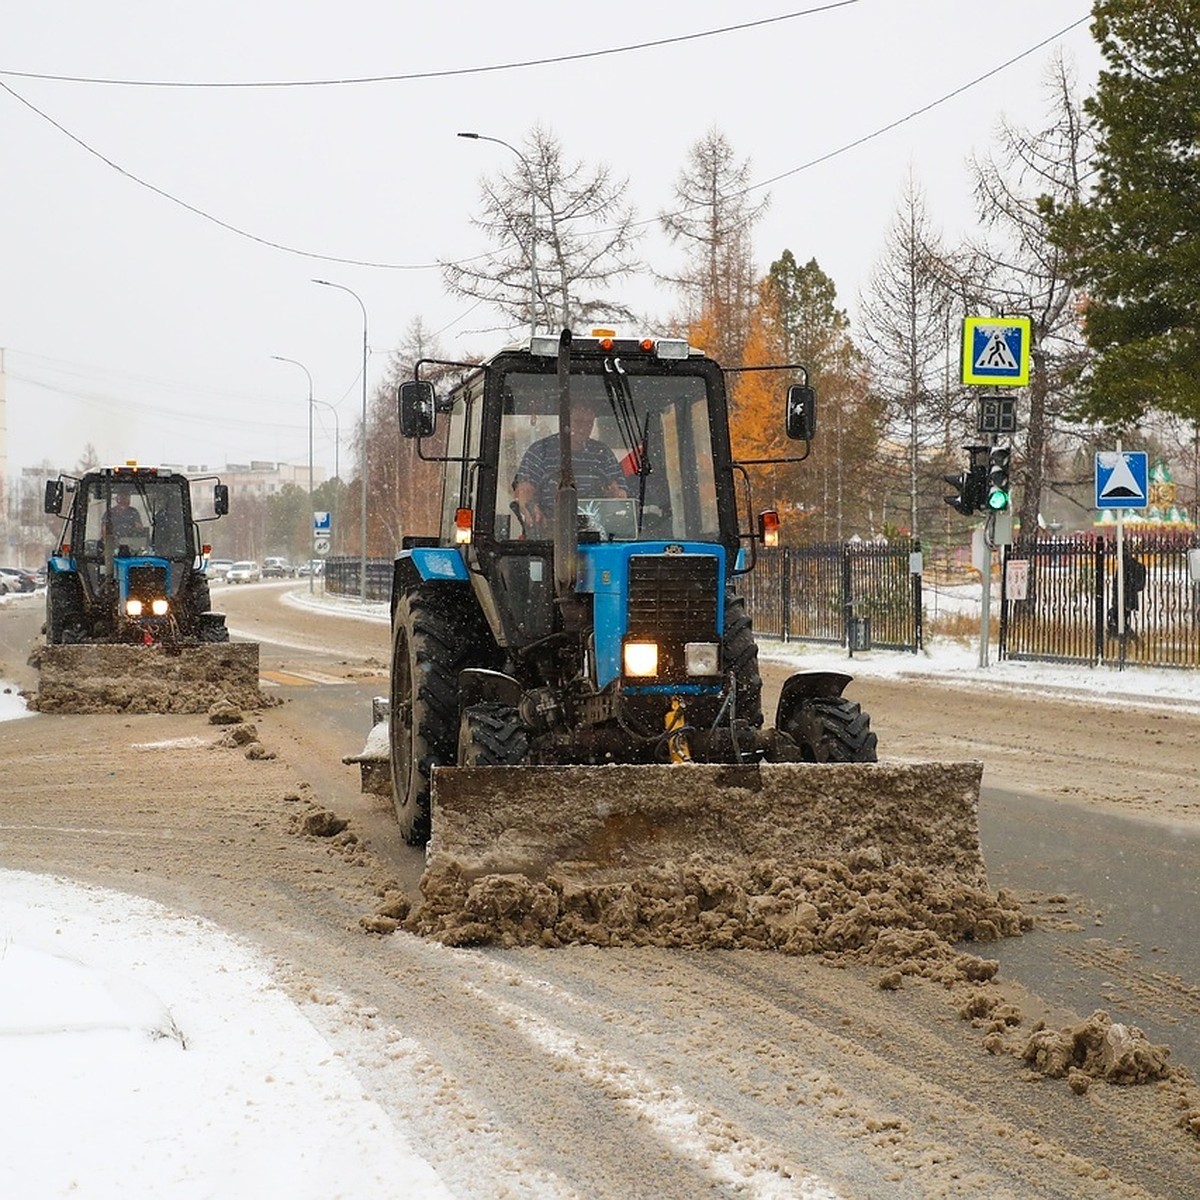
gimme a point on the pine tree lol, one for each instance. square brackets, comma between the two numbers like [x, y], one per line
[1134, 244]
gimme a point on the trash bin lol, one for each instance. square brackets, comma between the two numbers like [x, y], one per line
[860, 633]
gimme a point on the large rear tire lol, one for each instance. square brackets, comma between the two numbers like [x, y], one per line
[436, 632]
[64, 610]
[741, 656]
[832, 731]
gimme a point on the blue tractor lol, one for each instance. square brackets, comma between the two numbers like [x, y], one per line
[580, 605]
[129, 564]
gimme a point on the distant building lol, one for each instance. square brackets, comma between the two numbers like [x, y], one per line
[260, 478]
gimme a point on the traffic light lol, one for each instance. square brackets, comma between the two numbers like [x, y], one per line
[961, 500]
[971, 485]
[998, 486]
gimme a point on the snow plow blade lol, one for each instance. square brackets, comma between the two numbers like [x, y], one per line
[520, 848]
[90, 677]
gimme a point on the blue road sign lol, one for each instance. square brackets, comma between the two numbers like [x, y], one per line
[322, 522]
[1122, 479]
[995, 351]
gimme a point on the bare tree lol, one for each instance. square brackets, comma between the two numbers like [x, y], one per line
[1019, 271]
[712, 221]
[905, 322]
[563, 226]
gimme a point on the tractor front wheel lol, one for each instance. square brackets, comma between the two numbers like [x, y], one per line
[491, 735]
[831, 730]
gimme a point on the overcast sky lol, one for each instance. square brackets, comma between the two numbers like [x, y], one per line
[131, 321]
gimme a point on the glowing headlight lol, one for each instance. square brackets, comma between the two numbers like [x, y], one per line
[133, 608]
[159, 607]
[641, 658]
[702, 658]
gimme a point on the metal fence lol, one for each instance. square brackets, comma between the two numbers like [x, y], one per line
[1059, 601]
[342, 576]
[856, 594]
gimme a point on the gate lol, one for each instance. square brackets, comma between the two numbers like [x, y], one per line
[854, 594]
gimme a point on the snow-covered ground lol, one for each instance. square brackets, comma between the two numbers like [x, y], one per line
[146, 1053]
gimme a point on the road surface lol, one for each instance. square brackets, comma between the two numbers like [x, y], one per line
[618, 1073]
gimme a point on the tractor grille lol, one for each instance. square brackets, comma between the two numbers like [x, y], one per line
[673, 597]
[147, 582]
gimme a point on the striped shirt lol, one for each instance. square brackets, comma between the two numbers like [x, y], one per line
[595, 467]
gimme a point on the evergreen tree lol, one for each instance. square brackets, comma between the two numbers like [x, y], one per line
[1134, 244]
[797, 320]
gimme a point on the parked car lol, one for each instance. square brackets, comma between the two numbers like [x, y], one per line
[314, 567]
[277, 568]
[18, 579]
[218, 568]
[243, 572]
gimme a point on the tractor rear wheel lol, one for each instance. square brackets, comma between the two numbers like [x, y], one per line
[64, 610]
[436, 632]
[831, 731]
[491, 735]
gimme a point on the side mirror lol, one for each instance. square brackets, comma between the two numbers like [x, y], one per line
[418, 414]
[54, 497]
[221, 499]
[800, 419]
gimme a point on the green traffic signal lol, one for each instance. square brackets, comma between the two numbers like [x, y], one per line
[998, 471]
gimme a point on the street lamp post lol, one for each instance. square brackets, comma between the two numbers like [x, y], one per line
[362, 568]
[337, 471]
[533, 287]
[308, 373]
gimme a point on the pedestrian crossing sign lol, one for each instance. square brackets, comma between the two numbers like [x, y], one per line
[995, 351]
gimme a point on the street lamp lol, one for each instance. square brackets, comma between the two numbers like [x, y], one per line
[533, 287]
[308, 373]
[362, 568]
[337, 471]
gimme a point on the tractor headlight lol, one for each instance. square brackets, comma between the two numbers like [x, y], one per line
[159, 607]
[133, 608]
[702, 658]
[641, 658]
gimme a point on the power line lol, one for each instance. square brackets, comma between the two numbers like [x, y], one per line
[449, 73]
[917, 112]
[357, 262]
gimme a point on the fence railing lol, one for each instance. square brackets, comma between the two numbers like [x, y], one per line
[1067, 607]
[854, 594]
[342, 576]
[863, 595]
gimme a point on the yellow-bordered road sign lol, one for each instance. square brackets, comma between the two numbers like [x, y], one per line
[995, 351]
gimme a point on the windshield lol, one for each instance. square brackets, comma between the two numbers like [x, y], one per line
[143, 516]
[641, 450]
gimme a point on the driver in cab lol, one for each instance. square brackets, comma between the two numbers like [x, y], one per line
[596, 469]
[123, 522]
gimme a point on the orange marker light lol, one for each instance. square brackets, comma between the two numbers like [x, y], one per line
[464, 519]
[768, 527]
